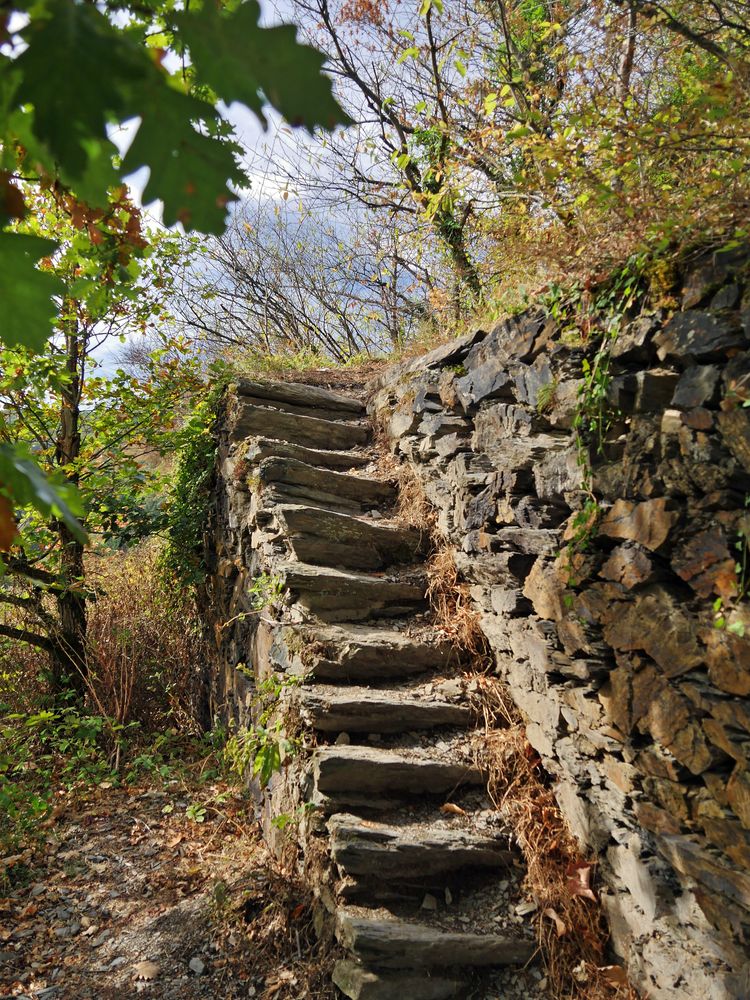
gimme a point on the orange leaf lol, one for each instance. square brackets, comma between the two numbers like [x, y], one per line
[559, 923]
[452, 809]
[578, 881]
[297, 912]
[8, 529]
[615, 975]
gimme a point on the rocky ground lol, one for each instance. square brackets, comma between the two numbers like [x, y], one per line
[128, 896]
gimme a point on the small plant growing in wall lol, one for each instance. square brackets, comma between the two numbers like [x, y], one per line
[721, 607]
[546, 396]
[262, 749]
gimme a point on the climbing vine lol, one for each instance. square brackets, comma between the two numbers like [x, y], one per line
[587, 317]
[190, 500]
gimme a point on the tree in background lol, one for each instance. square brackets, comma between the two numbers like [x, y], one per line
[87, 428]
[529, 140]
[288, 278]
[70, 73]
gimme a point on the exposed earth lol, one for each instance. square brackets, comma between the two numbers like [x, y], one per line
[130, 897]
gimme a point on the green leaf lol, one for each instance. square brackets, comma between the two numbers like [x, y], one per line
[411, 53]
[26, 305]
[189, 171]
[242, 61]
[27, 485]
[78, 72]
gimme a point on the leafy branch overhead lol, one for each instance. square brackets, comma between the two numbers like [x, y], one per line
[73, 73]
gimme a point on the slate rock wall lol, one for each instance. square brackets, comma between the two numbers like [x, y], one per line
[638, 704]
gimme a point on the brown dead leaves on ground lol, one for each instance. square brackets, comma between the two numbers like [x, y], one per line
[128, 896]
[571, 928]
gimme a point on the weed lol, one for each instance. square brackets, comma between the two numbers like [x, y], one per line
[262, 749]
[546, 396]
[196, 812]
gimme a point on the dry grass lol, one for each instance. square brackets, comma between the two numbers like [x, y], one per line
[571, 927]
[448, 595]
[413, 509]
[272, 914]
[146, 654]
[451, 605]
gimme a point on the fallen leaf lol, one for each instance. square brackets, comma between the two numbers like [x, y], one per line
[14, 859]
[28, 911]
[615, 975]
[578, 880]
[297, 912]
[145, 970]
[559, 923]
[452, 809]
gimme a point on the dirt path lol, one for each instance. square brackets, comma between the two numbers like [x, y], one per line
[130, 897]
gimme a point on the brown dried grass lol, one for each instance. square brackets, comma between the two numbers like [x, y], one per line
[451, 605]
[572, 930]
[448, 594]
[413, 509]
[146, 653]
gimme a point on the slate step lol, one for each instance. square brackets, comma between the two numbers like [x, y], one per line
[335, 595]
[325, 538]
[264, 447]
[298, 396]
[310, 432]
[367, 653]
[361, 710]
[388, 943]
[365, 770]
[360, 983]
[354, 494]
[362, 847]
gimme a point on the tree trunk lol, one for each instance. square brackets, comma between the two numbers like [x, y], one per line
[452, 235]
[69, 671]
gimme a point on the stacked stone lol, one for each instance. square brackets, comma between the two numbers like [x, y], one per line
[384, 719]
[634, 698]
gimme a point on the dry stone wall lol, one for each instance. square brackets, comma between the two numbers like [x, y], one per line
[638, 704]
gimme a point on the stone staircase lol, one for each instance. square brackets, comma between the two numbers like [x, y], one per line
[414, 872]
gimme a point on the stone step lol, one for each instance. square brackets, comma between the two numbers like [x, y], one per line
[325, 538]
[296, 396]
[410, 850]
[262, 447]
[367, 653]
[366, 770]
[360, 983]
[363, 494]
[310, 432]
[389, 943]
[334, 595]
[361, 710]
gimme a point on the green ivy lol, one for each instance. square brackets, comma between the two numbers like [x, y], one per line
[190, 499]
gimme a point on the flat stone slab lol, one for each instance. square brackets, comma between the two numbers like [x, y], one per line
[263, 447]
[368, 493]
[362, 710]
[335, 595]
[311, 432]
[326, 538]
[300, 395]
[361, 847]
[359, 983]
[397, 944]
[363, 652]
[370, 769]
